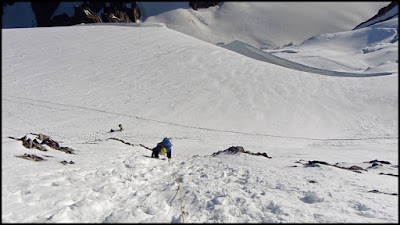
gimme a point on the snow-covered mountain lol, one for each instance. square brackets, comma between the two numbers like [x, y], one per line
[273, 24]
[340, 52]
[331, 139]
[384, 14]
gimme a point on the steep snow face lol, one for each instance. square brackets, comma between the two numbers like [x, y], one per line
[392, 10]
[263, 24]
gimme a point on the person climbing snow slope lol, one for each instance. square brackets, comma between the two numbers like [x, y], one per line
[162, 148]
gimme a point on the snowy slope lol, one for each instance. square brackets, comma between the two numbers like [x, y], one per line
[157, 82]
[384, 14]
[367, 50]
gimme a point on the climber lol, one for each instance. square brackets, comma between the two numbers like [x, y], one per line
[162, 148]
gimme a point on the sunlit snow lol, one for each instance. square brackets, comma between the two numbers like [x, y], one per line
[77, 83]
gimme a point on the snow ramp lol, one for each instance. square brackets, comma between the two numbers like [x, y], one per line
[255, 53]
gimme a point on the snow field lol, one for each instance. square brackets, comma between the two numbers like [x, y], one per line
[76, 83]
[114, 182]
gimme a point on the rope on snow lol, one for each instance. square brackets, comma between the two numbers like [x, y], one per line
[180, 193]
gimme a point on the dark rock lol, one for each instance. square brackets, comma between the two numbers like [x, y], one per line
[230, 150]
[316, 161]
[51, 143]
[263, 154]
[376, 191]
[375, 164]
[239, 149]
[118, 12]
[31, 157]
[115, 17]
[42, 137]
[377, 161]
[389, 174]
[236, 149]
[40, 147]
[380, 13]
[355, 168]
[83, 14]
[67, 150]
[312, 165]
[197, 5]
[87, 12]
[65, 162]
[136, 12]
[27, 143]
[46, 140]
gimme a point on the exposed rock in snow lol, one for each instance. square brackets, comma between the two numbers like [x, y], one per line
[196, 5]
[386, 13]
[237, 149]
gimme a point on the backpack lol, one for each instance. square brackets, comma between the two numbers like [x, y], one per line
[163, 151]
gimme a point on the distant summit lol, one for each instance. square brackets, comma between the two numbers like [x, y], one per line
[386, 13]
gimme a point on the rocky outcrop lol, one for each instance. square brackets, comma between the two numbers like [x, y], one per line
[83, 14]
[239, 149]
[197, 5]
[87, 12]
[30, 157]
[118, 12]
[45, 140]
